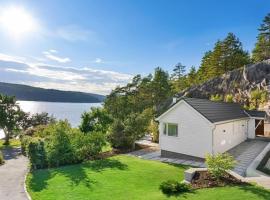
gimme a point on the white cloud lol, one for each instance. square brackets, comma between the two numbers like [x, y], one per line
[84, 79]
[98, 60]
[51, 55]
[11, 58]
[53, 51]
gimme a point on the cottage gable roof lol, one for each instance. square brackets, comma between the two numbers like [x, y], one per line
[217, 111]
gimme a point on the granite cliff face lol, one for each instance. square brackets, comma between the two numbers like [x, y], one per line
[239, 83]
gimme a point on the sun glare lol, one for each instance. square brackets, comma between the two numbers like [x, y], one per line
[17, 21]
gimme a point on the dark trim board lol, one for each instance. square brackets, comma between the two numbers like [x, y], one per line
[170, 154]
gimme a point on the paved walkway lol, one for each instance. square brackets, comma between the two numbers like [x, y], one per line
[245, 153]
[12, 175]
[153, 153]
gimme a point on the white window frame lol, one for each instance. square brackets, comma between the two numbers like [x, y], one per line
[166, 129]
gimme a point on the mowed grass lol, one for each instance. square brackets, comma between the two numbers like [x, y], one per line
[124, 178]
[13, 143]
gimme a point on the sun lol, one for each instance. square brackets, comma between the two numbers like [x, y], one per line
[17, 21]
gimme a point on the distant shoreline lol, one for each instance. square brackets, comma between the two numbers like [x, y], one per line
[30, 93]
[59, 102]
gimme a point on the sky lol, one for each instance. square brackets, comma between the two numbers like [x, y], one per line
[96, 45]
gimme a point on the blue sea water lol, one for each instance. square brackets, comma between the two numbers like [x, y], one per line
[70, 111]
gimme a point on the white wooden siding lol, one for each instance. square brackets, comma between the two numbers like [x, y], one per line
[194, 131]
[229, 134]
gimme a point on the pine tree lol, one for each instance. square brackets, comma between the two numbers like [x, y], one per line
[202, 74]
[262, 48]
[161, 88]
[227, 55]
[178, 71]
[233, 54]
[178, 78]
[192, 76]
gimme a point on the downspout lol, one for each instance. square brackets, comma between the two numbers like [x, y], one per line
[213, 129]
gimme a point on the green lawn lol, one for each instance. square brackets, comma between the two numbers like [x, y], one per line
[13, 143]
[125, 178]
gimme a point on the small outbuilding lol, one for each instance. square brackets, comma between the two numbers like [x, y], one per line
[192, 127]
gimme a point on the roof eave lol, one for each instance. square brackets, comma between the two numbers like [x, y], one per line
[230, 120]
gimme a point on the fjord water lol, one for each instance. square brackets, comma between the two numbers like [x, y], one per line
[70, 111]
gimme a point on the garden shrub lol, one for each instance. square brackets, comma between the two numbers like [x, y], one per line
[117, 135]
[88, 145]
[174, 187]
[36, 153]
[219, 164]
[60, 144]
[36, 131]
[2, 161]
[25, 140]
[123, 134]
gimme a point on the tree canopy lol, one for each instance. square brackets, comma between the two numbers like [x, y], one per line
[10, 116]
[262, 47]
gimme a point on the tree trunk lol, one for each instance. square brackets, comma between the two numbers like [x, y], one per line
[7, 136]
[133, 146]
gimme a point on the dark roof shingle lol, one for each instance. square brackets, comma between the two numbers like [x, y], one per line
[256, 113]
[216, 111]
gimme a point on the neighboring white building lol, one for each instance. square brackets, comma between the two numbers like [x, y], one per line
[195, 127]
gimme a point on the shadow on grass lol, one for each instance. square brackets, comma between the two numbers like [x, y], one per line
[76, 174]
[181, 194]
[100, 165]
[257, 190]
[180, 165]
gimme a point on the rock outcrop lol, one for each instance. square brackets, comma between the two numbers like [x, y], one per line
[238, 82]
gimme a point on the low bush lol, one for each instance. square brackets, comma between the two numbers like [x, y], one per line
[171, 187]
[2, 161]
[88, 146]
[60, 144]
[25, 140]
[36, 153]
[219, 164]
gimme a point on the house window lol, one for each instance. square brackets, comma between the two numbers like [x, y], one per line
[170, 129]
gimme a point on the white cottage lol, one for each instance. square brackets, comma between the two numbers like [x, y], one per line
[193, 127]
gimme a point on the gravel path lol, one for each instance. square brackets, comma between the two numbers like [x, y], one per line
[12, 175]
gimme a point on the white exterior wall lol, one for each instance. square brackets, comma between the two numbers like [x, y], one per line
[194, 131]
[227, 135]
[251, 128]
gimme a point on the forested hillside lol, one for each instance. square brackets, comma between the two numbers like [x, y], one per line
[28, 93]
[227, 73]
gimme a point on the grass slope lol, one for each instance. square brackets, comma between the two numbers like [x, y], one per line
[123, 177]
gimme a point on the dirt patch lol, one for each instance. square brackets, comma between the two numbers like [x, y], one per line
[203, 179]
